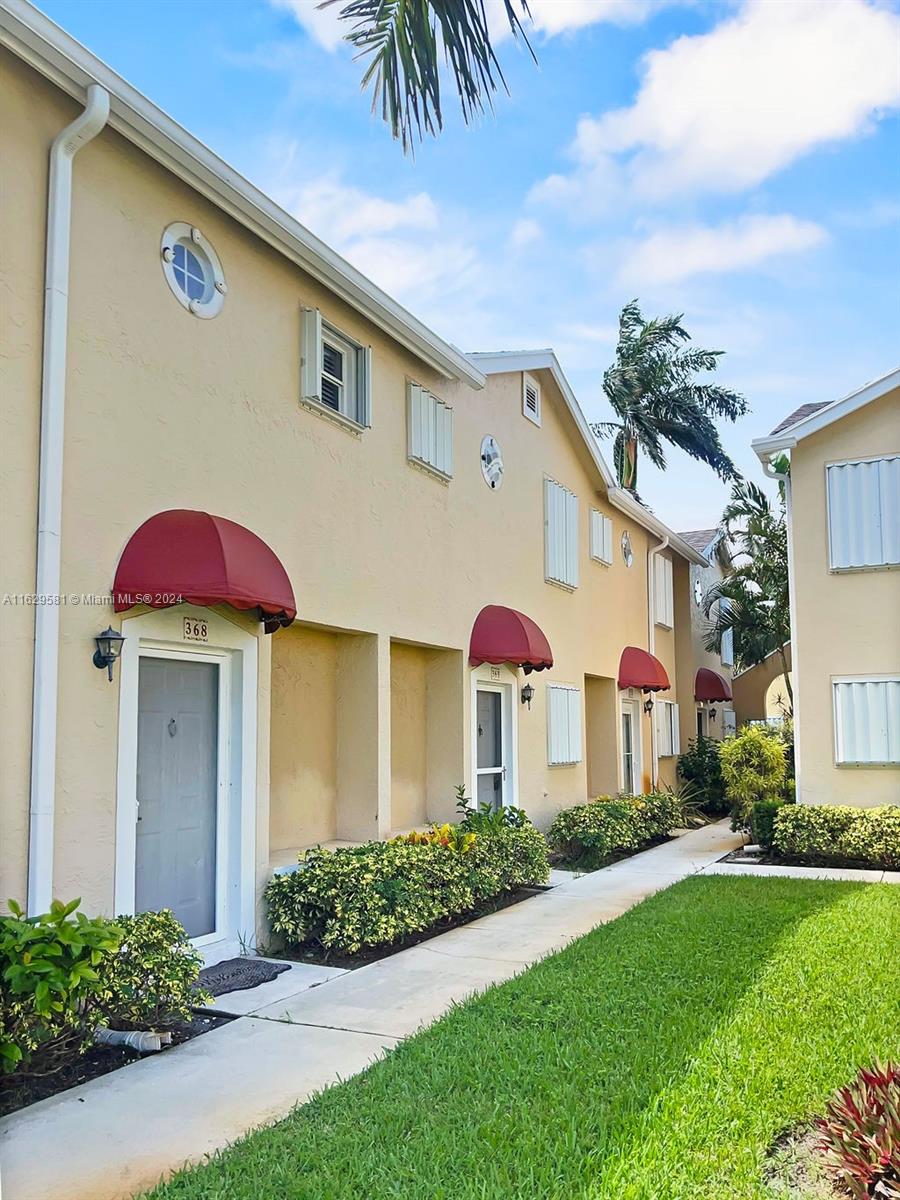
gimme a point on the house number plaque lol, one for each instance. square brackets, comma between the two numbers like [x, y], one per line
[495, 673]
[195, 630]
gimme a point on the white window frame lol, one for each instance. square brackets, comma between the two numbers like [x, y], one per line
[355, 403]
[429, 423]
[630, 706]
[565, 748]
[530, 381]
[839, 759]
[668, 730]
[664, 583]
[208, 305]
[885, 510]
[492, 677]
[601, 538]
[560, 513]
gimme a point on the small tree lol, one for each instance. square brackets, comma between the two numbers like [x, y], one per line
[754, 768]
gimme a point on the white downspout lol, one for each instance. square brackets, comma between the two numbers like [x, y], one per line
[53, 401]
[651, 646]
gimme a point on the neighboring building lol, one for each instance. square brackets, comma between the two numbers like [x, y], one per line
[353, 568]
[760, 691]
[843, 504]
[704, 674]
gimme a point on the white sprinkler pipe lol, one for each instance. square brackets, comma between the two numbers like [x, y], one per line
[53, 404]
[651, 646]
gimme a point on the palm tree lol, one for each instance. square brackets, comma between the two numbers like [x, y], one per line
[403, 40]
[656, 397]
[753, 599]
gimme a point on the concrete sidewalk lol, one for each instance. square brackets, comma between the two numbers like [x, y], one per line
[121, 1133]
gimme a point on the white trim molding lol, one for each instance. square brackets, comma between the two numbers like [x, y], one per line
[491, 677]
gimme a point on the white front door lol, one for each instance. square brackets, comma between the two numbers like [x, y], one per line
[631, 747]
[492, 745]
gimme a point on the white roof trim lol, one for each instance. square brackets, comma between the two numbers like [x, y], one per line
[52, 52]
[788, 438]
[536, 360]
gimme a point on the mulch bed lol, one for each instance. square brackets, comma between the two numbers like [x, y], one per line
[772, 858]
[19, 1091]
[314, 952]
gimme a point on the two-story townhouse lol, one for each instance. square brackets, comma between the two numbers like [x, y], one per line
[843, 505]
[345, 568]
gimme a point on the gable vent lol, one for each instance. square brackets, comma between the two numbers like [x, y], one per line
[531, 398]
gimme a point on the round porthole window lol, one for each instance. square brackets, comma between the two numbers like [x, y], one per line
[192, 270]
[627, 549]
[491, 462]
[698, 592]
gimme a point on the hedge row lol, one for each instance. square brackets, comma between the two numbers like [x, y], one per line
[825, 833]
[375, 894]
[612, 825]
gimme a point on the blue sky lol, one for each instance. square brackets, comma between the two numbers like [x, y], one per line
[735, 161]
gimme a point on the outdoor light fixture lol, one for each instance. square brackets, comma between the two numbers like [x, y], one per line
[527, 695]
[712, 714]
[109, 647]
[648, 705]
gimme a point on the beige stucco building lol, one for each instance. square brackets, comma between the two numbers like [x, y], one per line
[843, 494]
[206, 409]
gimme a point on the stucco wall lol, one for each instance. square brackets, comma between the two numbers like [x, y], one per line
[409, 775]
[847, 623]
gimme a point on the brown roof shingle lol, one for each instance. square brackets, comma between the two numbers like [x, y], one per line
[799, 414]
[699, 539]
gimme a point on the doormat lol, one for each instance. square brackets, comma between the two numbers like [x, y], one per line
[238, 974]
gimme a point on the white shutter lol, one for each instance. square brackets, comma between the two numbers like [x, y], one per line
[867, 721]
[668, 734]
[310, 354]
[365, 386]
[571, 502]
[864, 513]
[563, 725]
[664, 598]
[601, 537]
[560, 534]
[430, 426]
[676, 729]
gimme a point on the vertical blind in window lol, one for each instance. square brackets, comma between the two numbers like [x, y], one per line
[601, 537]
[864, 513]
[563, 725]
[560, 534]
[430, 423]
[665, 601]
[867, 721]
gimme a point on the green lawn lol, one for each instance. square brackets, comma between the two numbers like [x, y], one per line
[654, 1059]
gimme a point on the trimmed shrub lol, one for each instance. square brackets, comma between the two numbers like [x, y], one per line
[49, 983]
[592, 832]
[762, 821]
[824, 833]
[150, 982]
[376, 894]
[859, 1135]
[753, 768]
[701, 767]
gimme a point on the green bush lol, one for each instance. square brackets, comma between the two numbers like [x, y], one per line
[150, 982]
[701, 767]
[762, 821]
[823, 833]
[50, 980]
[753, 768]
[376, 894]
[590, 833]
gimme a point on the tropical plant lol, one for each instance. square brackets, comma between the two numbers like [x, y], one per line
[403, 42]
[859, 1135]
[753, 768]
[486, 818]
[838, 833]
[590, 834]
[700, 766]
[654, 392]
[752, 600]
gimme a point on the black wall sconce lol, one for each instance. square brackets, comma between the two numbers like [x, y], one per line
[712, 714]
[648, 705]
[527, 695]
[109, 647]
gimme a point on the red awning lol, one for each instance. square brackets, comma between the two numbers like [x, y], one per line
[189, 557]
[640, 669]
[502, 635]
[709, 686]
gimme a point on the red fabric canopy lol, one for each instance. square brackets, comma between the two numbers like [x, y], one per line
[640, 669]
[502, 635]
[710, 686]
[181, 556]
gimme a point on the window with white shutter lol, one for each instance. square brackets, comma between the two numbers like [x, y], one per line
[601, 538]
[864, 513]
[563, 724]
[665, 601]
[531, 398]
[867, 721]
[668, 736]
[430, 429]
[335, 371]
[726, 648]
[560, 534]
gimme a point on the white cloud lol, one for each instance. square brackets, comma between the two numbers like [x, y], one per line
[676, 253]
[339, 213]
[554, 17]
[722, 111]
[524, 233]
[321, 24]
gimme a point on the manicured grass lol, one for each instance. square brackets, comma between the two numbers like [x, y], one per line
[654, 1059]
